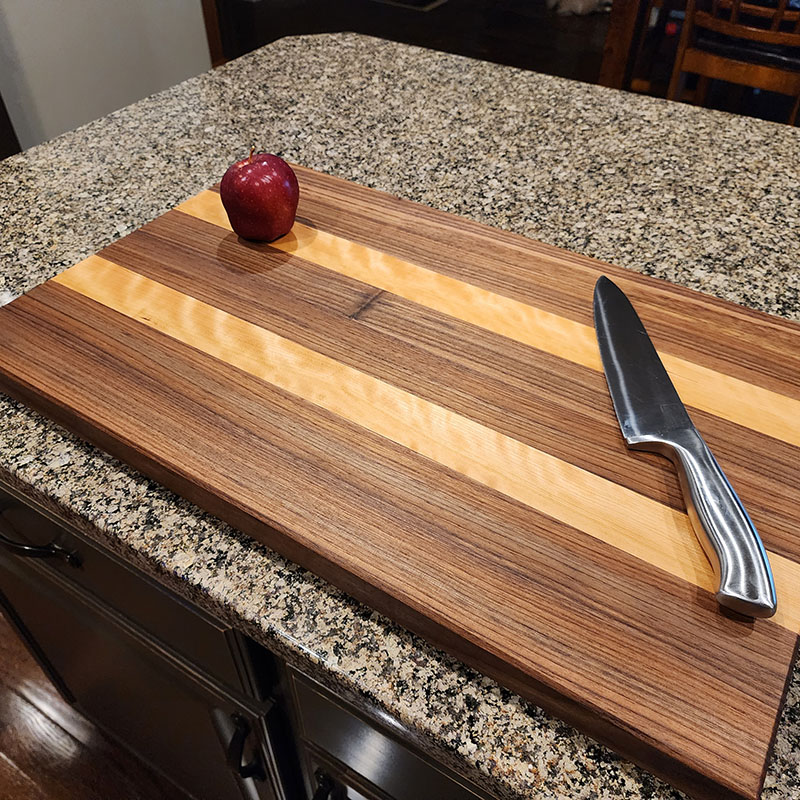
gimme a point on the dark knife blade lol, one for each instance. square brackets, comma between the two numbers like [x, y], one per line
[643, 395]
[652, 417]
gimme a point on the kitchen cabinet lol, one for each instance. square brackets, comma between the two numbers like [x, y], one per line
[348, 755]
[218, 714]
[186, 706]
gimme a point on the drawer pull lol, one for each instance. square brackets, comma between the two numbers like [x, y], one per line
[328, 788]
[51, 550]
[255, 768]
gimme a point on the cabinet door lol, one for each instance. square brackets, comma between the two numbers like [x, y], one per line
[144, 696]
[196, 636]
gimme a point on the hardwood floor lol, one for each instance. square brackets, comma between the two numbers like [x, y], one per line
[49, 751]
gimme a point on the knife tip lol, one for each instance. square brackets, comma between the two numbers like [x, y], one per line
[601, 289]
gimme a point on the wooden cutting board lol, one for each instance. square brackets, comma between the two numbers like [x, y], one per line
[412, 406]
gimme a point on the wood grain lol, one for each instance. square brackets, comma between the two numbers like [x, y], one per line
[363, 407]
[517, 390]
[627, 520]
[722, 395]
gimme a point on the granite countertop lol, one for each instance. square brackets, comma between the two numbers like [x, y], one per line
[704, 199]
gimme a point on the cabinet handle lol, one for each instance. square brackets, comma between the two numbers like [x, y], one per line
[327, 788]
[51, 550]
[255, 768]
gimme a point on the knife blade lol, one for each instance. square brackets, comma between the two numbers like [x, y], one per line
[652, 417]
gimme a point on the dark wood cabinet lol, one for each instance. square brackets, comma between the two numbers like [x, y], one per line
[173, 718]
[357, 758]
[92, 571]
[168, 680]
[215, 712]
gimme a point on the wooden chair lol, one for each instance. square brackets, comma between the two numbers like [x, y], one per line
[748, 42]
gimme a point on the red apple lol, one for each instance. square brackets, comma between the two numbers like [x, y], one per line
[260, 194]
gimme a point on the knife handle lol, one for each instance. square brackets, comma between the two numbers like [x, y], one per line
[721, 523]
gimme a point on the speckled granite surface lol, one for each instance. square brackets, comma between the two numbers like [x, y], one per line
[700, 198]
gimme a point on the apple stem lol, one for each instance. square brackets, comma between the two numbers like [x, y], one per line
[252, 150]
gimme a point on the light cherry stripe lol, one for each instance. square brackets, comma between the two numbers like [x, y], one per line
[623, 518]
[724, 396]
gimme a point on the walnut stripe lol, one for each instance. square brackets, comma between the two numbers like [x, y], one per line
[518, 390]
[622, 518]
[730, 398]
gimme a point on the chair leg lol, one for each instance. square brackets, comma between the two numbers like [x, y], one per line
[702, 90]
[675, 90]
[795, 109]
[676, 82]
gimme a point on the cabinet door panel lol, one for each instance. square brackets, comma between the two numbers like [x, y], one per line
[202, 639]
[129, 688]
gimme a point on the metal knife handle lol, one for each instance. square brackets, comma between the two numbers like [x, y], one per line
[721, 523]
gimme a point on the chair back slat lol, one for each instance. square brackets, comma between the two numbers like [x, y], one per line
[754, 10]
[777, 18]
[711, 47]
[770, 21]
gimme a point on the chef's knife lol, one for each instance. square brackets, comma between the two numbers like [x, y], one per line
[652, 417]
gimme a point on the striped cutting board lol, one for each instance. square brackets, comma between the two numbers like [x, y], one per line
[412, 406]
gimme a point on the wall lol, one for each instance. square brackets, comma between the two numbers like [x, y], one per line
[66, 62]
